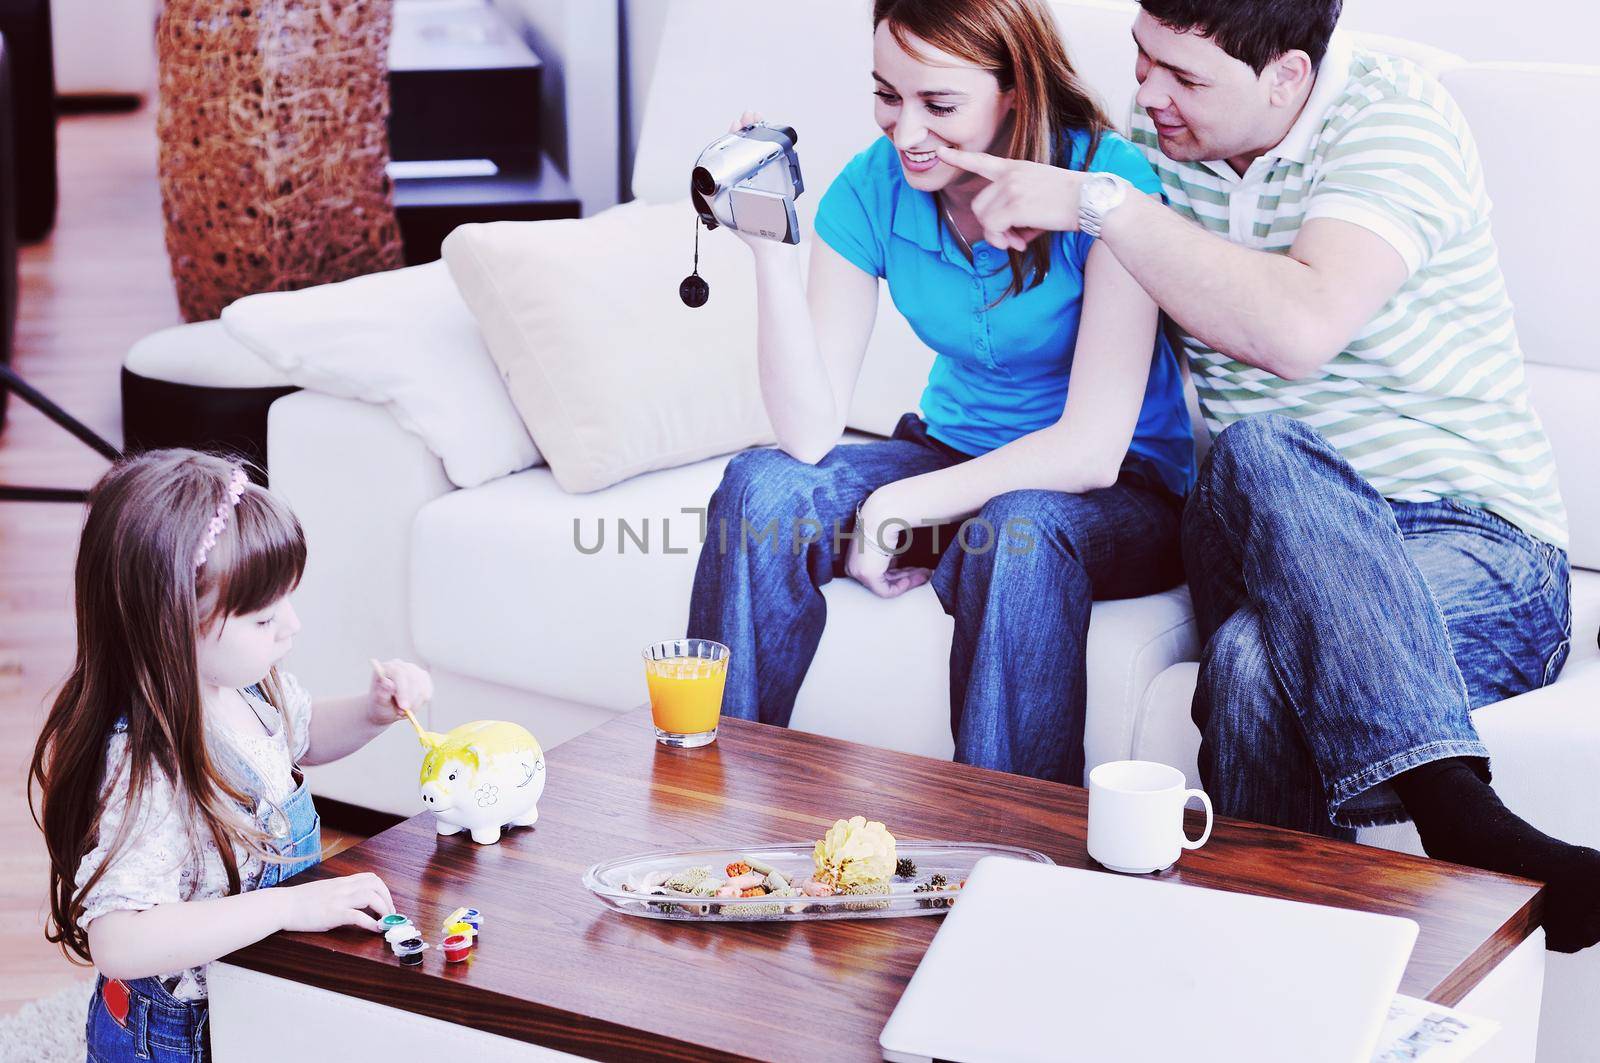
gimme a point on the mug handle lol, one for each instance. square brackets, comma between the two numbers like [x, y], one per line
[1205, 835]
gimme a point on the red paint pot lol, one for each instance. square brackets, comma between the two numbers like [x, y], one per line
[457, 947]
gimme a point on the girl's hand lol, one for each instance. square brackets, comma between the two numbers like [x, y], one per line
[402, 685]
[869, 566]
[1023, 199]
[331, 902]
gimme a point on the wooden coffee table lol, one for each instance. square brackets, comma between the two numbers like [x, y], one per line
[556, 969]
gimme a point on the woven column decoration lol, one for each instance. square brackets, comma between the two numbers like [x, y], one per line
[273, 140]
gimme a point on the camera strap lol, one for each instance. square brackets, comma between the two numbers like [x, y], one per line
[694, 291]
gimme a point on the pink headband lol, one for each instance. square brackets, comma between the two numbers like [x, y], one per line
[220, 520]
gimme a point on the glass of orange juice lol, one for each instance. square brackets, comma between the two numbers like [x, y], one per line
[686, 677]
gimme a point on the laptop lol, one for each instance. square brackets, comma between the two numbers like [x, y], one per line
[1044, 963]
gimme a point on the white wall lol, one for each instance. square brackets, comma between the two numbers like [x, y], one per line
[579, 42]
[104, 46]
[601, 54]
[1522, 30]
[642, 22]
[1542, 31]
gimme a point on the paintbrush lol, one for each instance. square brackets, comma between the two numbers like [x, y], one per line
[377, 670]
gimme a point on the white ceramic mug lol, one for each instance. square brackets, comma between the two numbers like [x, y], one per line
[1136, 816]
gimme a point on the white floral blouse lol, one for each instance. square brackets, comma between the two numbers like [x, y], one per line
[159, 864]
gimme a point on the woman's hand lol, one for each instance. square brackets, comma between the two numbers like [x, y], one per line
[400, 685]
[870, 563]
[1023, 199]
[331, 902]
[758, 244]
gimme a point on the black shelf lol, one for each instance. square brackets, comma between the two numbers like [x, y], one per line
[429, 208]
[462, 84]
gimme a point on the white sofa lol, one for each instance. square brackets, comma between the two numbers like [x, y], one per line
[487, 588]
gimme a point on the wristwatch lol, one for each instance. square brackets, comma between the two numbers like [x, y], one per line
[1100, 194]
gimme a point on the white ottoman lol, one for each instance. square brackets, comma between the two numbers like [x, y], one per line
[196, 386]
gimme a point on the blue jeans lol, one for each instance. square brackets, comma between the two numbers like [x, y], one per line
[301, 843]
[1019, 587]
[156, 1026]
[140, 1019]
[1347, 637]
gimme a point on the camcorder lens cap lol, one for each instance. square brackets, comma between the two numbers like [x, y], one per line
[694, 291]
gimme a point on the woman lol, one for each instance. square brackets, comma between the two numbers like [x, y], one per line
[1076, 492]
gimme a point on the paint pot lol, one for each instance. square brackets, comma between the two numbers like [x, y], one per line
[405, 941]
[410, 951]
[461, 926]
[389, 922]
[396, 934]
[465, 915]
[457, 947]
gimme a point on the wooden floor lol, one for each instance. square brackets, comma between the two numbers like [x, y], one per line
[94, 287]
[100, 282]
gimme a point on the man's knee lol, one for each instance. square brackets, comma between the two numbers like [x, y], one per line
[1259, 450]
[1238, 702]
[1261, 434]
[1194, 531]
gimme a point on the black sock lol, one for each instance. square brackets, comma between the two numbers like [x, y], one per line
[1462, 820]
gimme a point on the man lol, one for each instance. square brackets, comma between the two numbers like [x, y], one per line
[1375, 543]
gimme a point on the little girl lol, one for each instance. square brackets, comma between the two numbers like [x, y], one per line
[170, 794]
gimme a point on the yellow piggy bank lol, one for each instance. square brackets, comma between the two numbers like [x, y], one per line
[481, 777]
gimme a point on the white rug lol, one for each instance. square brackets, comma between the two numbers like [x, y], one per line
[49, 1030]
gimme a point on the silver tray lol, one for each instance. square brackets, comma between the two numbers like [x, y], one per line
[954, 860]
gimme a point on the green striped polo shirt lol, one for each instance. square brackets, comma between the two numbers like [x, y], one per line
[1429, 400]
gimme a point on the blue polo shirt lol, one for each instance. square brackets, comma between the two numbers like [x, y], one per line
[1000, 373]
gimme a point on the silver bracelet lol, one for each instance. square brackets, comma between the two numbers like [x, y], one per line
[869, 540]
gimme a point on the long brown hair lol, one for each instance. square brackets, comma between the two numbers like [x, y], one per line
[1017, 42]
[141, 608]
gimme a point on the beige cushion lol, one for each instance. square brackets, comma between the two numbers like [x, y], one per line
[402, 339]
[612, 374]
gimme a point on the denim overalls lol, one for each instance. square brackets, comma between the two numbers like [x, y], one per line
[141, 1019]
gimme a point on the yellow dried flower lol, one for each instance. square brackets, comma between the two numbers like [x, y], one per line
[855, 852]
